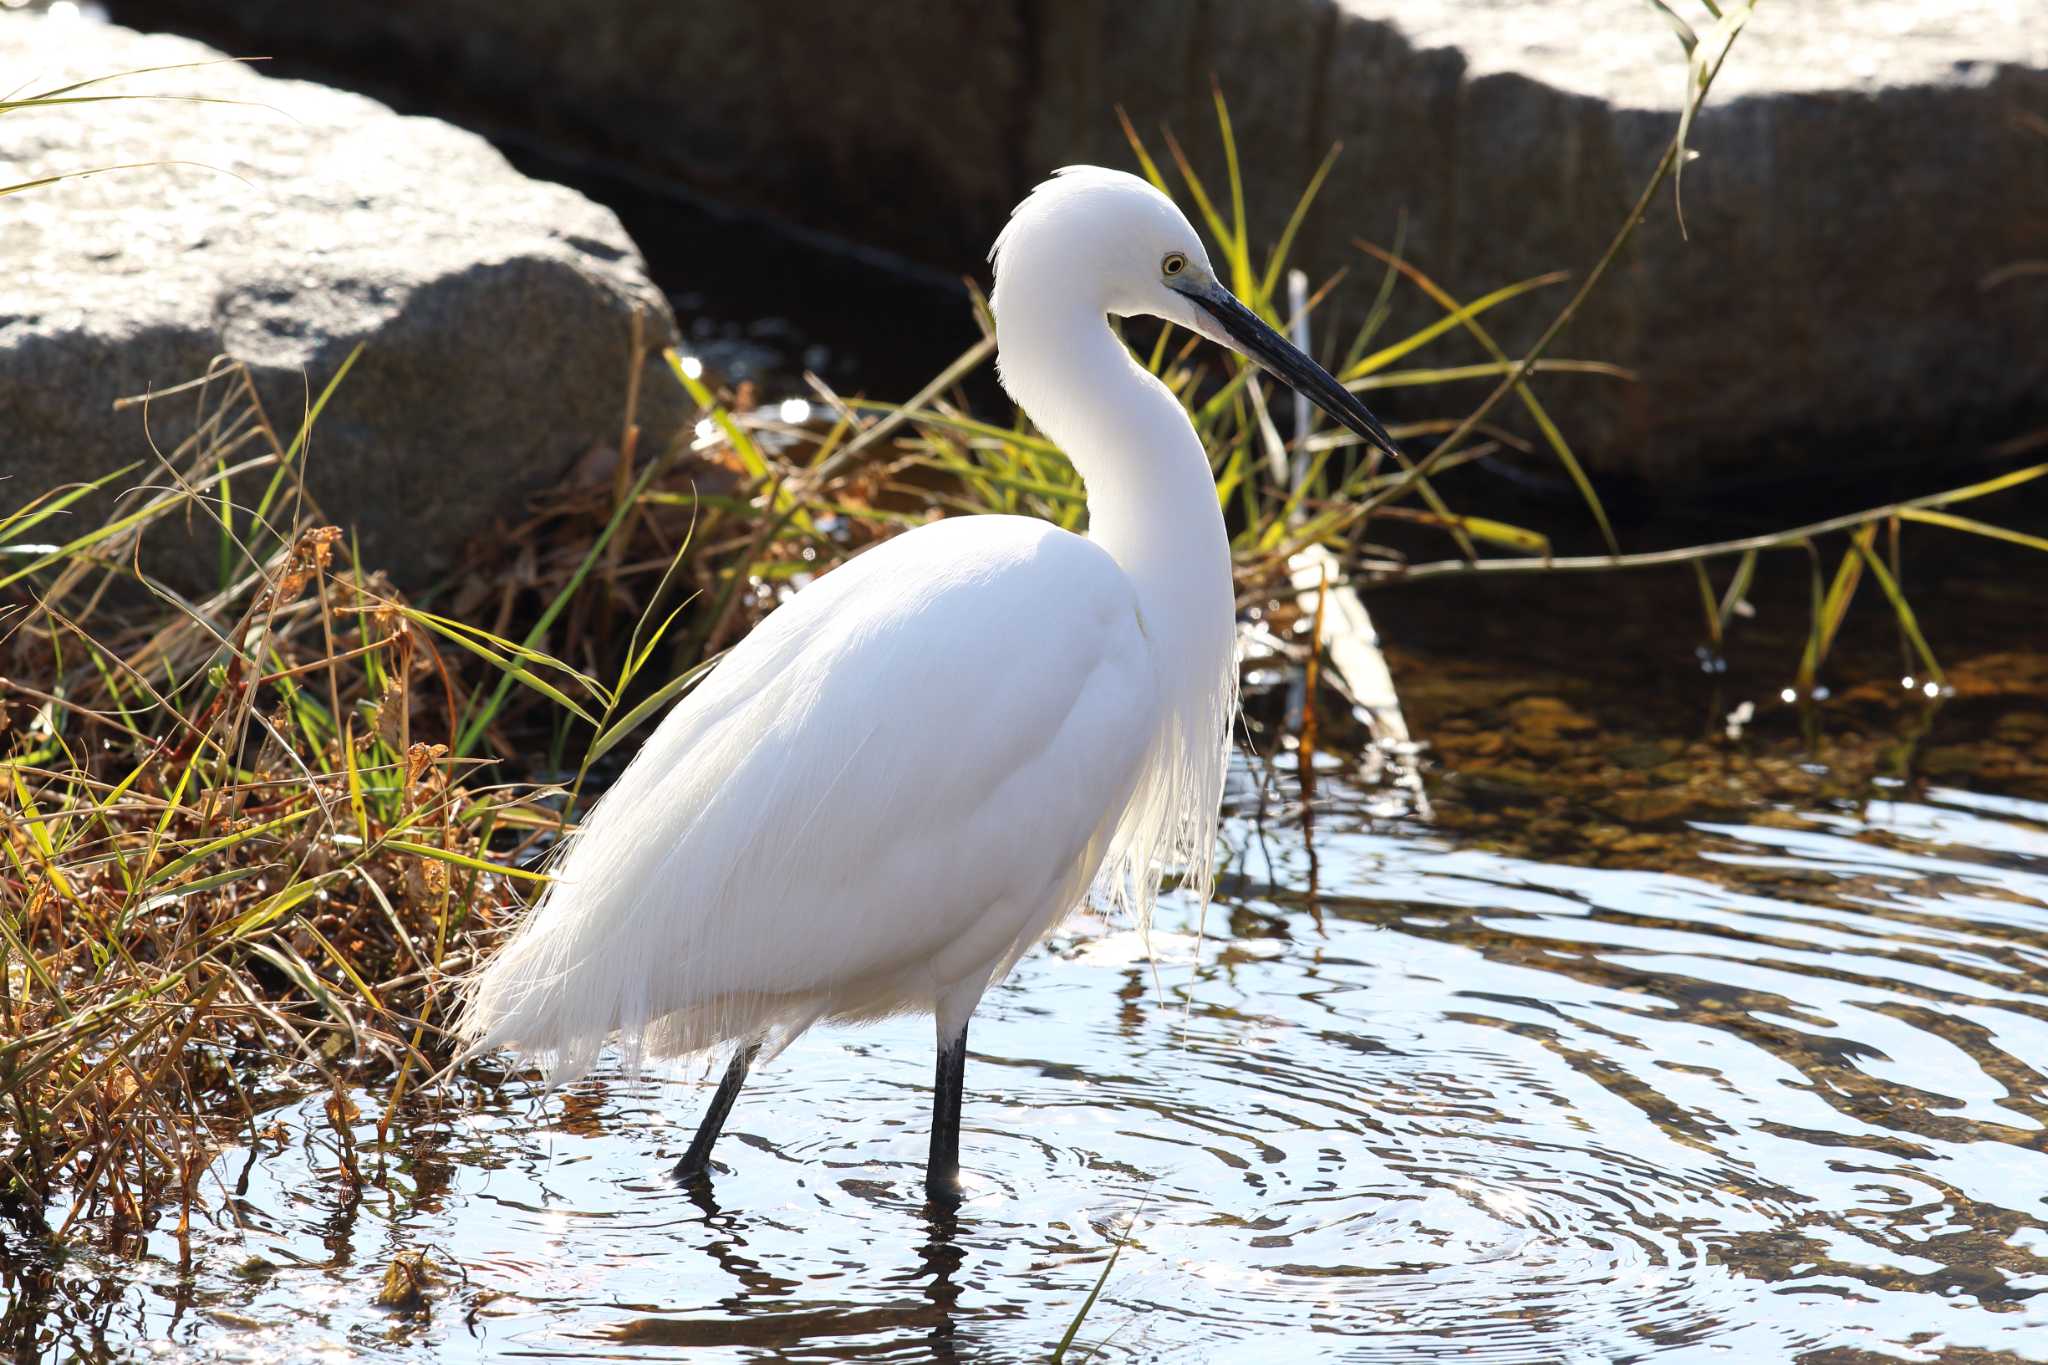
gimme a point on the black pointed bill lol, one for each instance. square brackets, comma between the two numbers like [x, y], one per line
[1239, 327]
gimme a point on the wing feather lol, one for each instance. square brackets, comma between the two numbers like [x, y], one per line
[912, 765]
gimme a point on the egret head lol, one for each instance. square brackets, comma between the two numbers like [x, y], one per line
[1118, 245]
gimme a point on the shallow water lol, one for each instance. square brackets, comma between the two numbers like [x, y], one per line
[1782, 1097]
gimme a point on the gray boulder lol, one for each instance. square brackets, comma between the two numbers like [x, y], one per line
[1861, 171]
[496, 310]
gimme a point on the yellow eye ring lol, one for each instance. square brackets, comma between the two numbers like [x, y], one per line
[1173, 264]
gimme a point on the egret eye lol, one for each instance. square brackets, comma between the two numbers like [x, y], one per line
[1173, 264]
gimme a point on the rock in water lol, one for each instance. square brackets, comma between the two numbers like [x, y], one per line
[495, 310]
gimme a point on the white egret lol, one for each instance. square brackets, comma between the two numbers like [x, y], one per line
[915, 767]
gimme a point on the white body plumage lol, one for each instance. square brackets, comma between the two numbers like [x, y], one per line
[913, 769]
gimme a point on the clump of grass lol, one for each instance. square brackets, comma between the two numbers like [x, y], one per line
[235, 839]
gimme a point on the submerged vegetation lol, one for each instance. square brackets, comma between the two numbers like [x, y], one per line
[257, 828]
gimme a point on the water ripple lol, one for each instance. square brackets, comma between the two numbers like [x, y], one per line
[1789, 1102]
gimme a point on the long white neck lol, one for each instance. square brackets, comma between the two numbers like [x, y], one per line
[1151, 496]
[1152, 505]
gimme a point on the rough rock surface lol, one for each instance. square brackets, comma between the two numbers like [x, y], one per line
[496, 309]
[1862, 170]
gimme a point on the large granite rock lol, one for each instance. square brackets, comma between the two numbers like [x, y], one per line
[496, 310]
[1862, 170]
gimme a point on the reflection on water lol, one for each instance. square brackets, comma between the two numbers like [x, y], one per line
[1784, 1101]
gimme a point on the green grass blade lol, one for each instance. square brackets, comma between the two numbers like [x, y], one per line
[609, 737]
[1703, 60]
[1829, 610]
[1975, 528]
[1687, 39]
[1452, 374]
[170, 871]
[1978, 490]
[305, 432]
[52, 95]
[1218, 229]
[1707, 604]
[1908, 622]
[444, 855]
[509, 672]
[1239, 249]
[45, 505]
[1738, 589]
[24, 185]
[1145, 161]
[474, 728]
[1066, 1341]
[1285, 246]
[1387, 355]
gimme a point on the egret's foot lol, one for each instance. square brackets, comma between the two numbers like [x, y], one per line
[942, 1189]
[942, 1168]
[693, 1169]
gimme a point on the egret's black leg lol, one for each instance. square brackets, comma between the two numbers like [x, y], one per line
[696, 1163]
[942, 1173]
